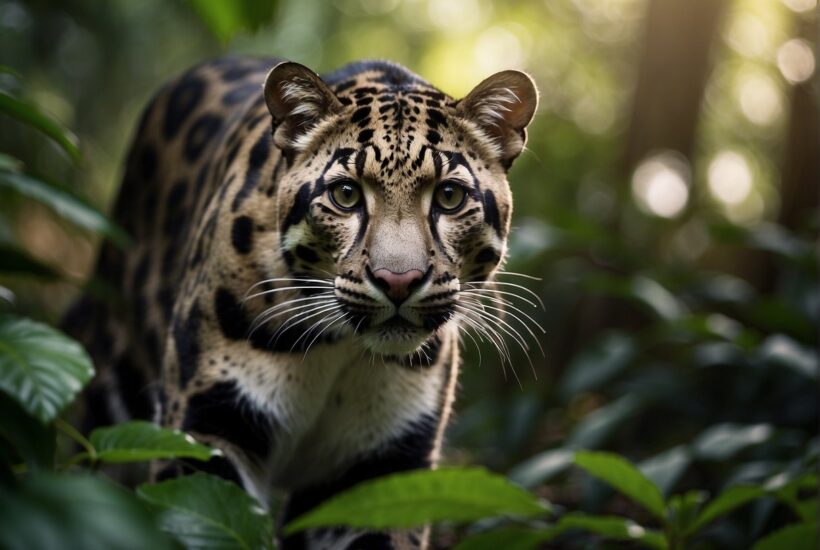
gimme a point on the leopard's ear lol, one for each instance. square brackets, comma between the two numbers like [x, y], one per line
[298, 100]
[502, 106]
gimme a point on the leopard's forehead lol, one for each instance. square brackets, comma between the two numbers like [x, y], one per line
[398, 128]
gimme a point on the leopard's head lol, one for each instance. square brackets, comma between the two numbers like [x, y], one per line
[397, 200]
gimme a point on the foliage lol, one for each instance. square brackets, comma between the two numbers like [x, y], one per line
[683, 346]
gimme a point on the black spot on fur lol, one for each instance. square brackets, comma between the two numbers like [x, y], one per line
[200, 134]
[300, 207]
[181, 103]
[258, 156]
[307, 254]
[240, 94]
[491, 215]
[365, 135]
[242, 234]
[360, 114]
[433, 137]
[229, 314]
[186, 340]
[220, 411]
[487, 254]
[148, 162]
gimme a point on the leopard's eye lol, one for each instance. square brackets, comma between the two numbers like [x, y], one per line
[449, 196]
[347, 195]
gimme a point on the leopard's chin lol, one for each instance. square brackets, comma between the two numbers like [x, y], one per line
[395, 340]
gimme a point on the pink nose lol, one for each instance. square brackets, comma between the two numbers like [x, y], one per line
[397, 286]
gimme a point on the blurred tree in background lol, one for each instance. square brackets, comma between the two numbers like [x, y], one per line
[667, 202]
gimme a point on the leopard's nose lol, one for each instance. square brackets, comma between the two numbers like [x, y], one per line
[397, 286]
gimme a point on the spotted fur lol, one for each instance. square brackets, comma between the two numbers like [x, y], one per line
[253, 312]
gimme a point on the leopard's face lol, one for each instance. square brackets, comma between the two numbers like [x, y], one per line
[396, 201]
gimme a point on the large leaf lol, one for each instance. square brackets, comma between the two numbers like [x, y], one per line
[802, 536]
[41, 368]
[139, 440]
[28, 113]
[416, 498]
[613, 527]
[203, 511]
[65, 204]
[509, 538]
[727, 501]
[623, 476]
[46, 512]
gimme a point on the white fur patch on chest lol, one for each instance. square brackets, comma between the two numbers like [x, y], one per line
[333, 406]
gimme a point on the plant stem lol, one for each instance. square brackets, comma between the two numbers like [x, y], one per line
[71, 431]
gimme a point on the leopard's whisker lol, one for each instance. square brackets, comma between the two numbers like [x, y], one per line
[331, 322]
[300, 318]
[495, 291]
[504, 283]
[270, 313]
[524, 324]
[516, 274]
[506, 304]
[266, 316]
[283, 289]
[510, 330]
[486, 331]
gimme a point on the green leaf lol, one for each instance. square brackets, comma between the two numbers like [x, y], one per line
[16, 261]
[41, 368]
[781, 350]
[509, 538]
[32, 441]
[802, 536]
[600, 424]
[29, 113]
[47, 511]
[139, 441]
[656, 298]
[226, 19]
[541, 467]
[613, 527]
[8, 162]
[65, 204]
[723, 441]
[665, 469]
[790, 491]
[623, 476]
[683, 510]
[598, 363]
[419, 497]
[204, 511]
[728, 500]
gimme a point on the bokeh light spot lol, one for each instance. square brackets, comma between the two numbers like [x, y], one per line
[729, 177]
[496, 49]
[660, 184]
[749, 36]
[800, 6]
[760, 99]
[796, 60]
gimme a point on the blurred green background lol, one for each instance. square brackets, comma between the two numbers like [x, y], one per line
[667, 202]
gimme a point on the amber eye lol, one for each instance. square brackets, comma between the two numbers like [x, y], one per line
[347, 195]
[449, 196]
